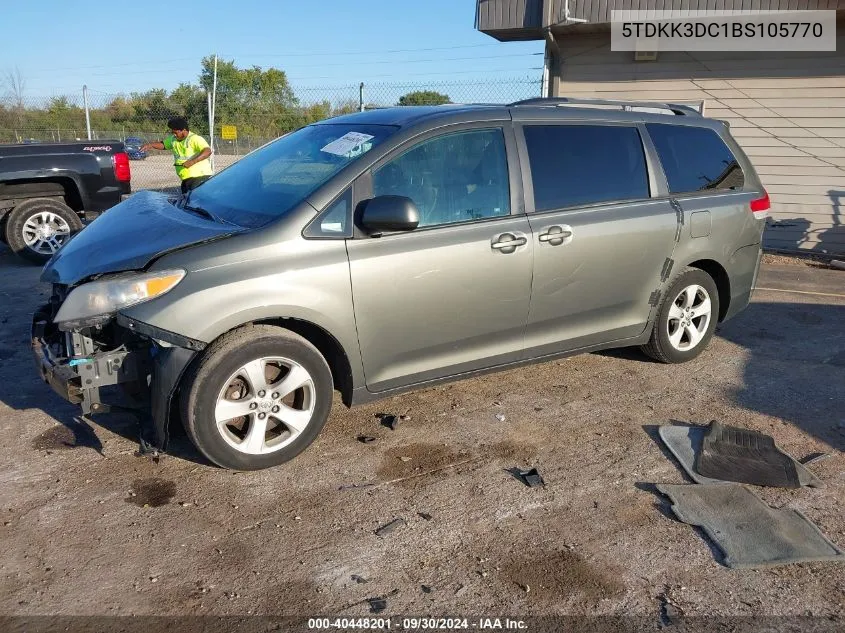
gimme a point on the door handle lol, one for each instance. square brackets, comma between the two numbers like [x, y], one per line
[507, 242]
[557, 235]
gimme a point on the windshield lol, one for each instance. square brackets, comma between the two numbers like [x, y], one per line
[270, 181]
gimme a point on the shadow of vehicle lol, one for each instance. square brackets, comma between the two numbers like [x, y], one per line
[795, 370]
[795, 367]
[814, 233]
[22, 389]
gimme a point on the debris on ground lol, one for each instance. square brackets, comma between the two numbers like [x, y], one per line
[366, 439]
[530, 477]
[354, 486]
[425, 515]
[669, 611]
[359, 579]
[377, 605]
[501, 417]
[426, 589]
[389, 420]
[386, 529]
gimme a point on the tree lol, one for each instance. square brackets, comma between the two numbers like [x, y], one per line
[15, 85]
[192, 103]
[424, 97]
[346, 107]
[64, 115]
[120, 110]
[258, 100]
[153, 106]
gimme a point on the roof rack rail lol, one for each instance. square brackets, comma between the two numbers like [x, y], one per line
[674, 108]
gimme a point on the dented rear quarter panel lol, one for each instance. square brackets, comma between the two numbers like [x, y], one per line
[735, 237]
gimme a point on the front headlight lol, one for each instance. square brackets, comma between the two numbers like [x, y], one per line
[95, 302]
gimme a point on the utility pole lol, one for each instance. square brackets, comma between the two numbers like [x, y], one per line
[212, 105]
[87, 114]
[361, 97]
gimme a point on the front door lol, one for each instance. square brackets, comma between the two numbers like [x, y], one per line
[601, 241]
[452, 295]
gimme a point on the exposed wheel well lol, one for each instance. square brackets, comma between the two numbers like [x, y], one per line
[328, 346]
[723, 282]
[43, 187]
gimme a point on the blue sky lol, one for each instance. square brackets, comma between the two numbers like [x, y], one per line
[115, 47]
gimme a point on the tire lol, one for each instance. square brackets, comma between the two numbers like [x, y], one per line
[27, 219]
[685, 302]
[226, 373]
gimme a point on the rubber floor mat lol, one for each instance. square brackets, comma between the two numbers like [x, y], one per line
[746, 530]
[686, 442]
[744, 456]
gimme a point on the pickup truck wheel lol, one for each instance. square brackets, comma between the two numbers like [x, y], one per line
[687, 318]
[37, 228]
[257, 398]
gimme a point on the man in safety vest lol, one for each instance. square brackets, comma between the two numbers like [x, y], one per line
[190, 153]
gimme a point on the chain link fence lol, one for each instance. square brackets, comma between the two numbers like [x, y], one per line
[243, 121]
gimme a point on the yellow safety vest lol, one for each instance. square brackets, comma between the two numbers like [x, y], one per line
[186, 150]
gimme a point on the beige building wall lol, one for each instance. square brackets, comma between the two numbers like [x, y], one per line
[786, 110]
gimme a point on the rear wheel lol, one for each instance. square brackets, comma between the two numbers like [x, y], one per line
[687, 318]
[37, 228]
[257, 398]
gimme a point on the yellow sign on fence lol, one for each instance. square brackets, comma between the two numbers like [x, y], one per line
[229, 132]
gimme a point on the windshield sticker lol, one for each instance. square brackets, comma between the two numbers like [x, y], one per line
[347, 144]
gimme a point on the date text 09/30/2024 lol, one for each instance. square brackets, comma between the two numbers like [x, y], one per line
[417, 624]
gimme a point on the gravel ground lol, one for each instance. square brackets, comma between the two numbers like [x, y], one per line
[156, 171]
[88, 528]
[812, 260]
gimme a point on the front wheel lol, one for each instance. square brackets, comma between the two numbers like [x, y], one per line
[37, 228]
[687, 318]
[257, 398]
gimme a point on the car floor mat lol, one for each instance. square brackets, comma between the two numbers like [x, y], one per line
[685, 443]
[749, 532]
[744, 456]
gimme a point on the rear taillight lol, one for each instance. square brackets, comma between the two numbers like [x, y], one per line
[760, 207]
[121, 167]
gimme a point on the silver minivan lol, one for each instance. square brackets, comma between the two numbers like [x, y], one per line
[393, 249]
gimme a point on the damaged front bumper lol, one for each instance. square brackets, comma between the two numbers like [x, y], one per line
[83, 365]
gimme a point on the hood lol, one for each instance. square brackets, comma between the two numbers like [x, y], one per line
[129, 236]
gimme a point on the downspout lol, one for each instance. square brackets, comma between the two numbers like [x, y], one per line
[552, 57]
[551, 62]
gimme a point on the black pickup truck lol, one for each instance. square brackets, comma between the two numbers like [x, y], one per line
[48, 189]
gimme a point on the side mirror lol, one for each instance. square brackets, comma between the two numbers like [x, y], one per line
[389, 213]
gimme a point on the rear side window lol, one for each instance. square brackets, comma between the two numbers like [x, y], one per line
[695, 159]
[574, 165]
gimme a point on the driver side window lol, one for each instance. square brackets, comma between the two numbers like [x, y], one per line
[452, 178]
